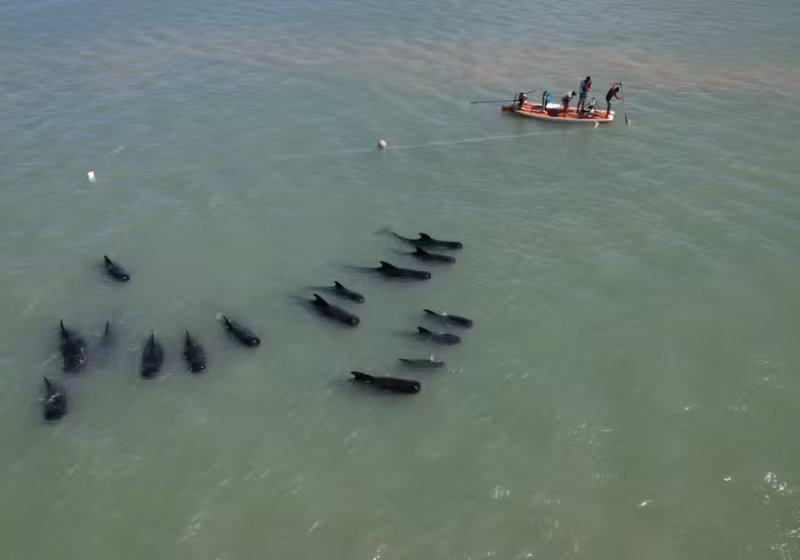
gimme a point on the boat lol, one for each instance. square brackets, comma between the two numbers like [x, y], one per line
[555, 112]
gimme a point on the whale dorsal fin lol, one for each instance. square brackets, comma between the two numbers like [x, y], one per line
[424, 236]
[339, 285]
[423, 330]
[319, 299]
[107, 260]
[48, 385]
[227, 322]
[430, 312]
[361, 376]
[384, 264]
[420, 251]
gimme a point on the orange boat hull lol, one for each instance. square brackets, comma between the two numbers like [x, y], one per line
[556, 113]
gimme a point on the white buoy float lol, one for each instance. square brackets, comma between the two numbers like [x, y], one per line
[91, 177]
[382, 144]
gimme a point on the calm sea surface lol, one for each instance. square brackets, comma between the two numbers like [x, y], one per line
[630, 390]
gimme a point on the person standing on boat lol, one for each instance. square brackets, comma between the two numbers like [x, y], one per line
[612, 94]
[521, 99]
[584, 88]
[566, 99]
[545, 100]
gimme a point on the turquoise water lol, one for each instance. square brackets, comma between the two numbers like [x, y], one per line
[629, 389]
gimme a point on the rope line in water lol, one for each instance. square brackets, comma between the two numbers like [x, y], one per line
[435, 143]
[465, 141]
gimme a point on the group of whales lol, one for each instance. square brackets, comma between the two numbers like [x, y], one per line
[73, 347]
[74, 353]
[422, 245]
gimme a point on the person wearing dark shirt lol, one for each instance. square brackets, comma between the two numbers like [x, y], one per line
[584, 88]
[612, 94]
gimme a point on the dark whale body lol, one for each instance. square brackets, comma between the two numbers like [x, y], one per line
[392, 384]
[55, 403]
[439, 337]
[194, 353]
[152, 358]
[390, 271]
[73, 349]
[115, 271]
[240, 333]
[341, 291]
[423, 255]
[425, 240]
[443, 317]
[334, 312]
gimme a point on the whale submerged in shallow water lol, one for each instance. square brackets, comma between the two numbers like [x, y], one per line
[152, 358]
[115, 271]
[341, 291]
[439, 337]
[449, 318]
[392, 271]
[423, 363]
[194, 354]
[54, 401]
[73, 349]
[425, 240]
[392, 384]
[423, 255]
[334, 312]
[240, 333]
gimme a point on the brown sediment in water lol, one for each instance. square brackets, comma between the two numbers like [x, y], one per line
[129, 63]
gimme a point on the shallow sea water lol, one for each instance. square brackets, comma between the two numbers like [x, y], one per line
[629, 388]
